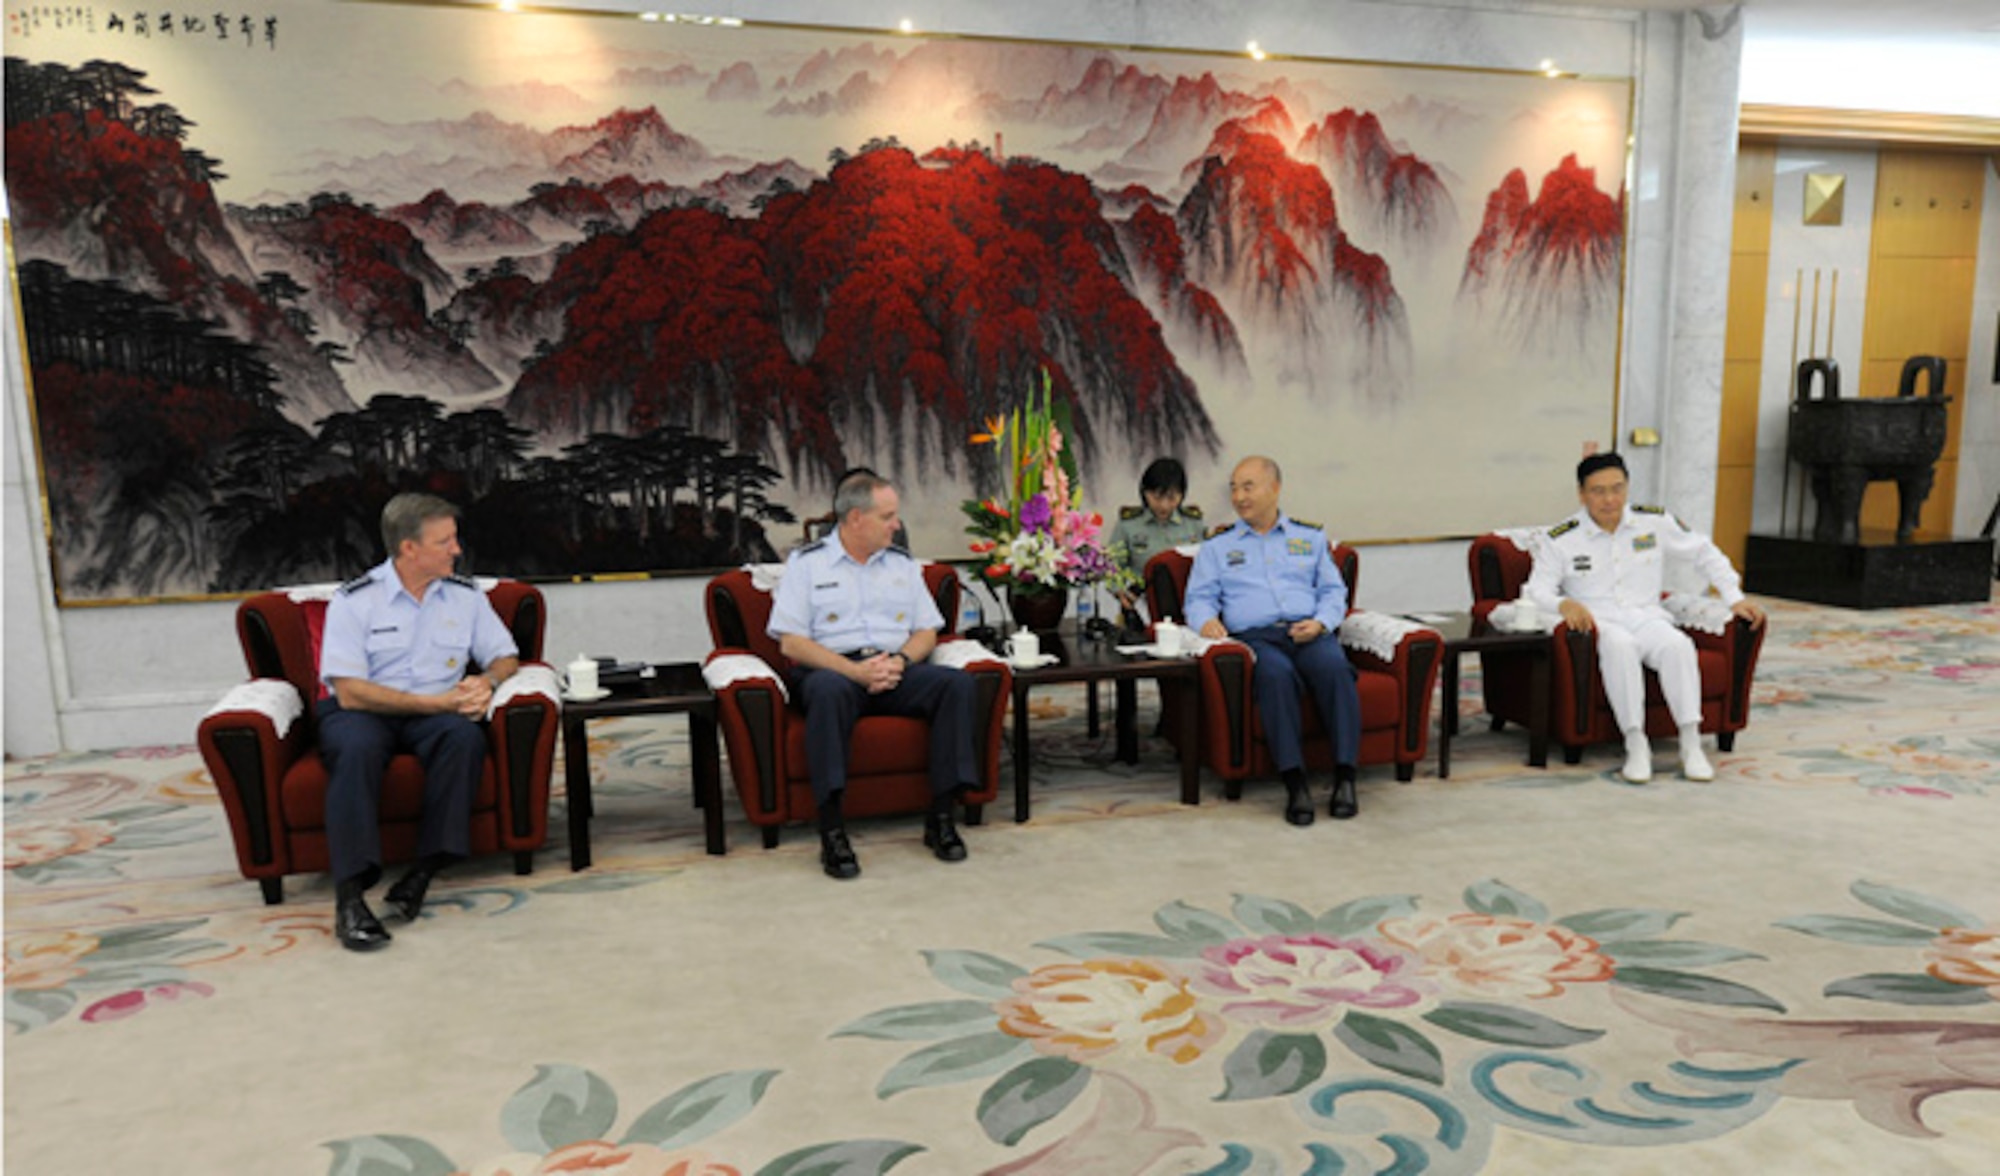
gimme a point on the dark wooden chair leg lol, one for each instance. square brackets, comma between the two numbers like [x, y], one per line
[1405, 773]
[770, 836]
[274, 890]
[1497, 723]
[524, 861]
[1726, 741]
[1572, 753]
[975, 813]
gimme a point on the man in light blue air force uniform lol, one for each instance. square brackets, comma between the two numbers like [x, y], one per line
[854, 617]
[399, 655]
[1269, 582]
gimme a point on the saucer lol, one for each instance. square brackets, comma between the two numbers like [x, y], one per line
[593, 696]
[1046, 659]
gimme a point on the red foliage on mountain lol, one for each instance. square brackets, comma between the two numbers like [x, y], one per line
[88, 419]
[1570, 231]
[638, 141]
[140, 195]
[1402, 190]
[573, 203]
[891, 306]
[1153, 245]
[1497, 239]
[440, 219]
[1259, 219]
[370, 268]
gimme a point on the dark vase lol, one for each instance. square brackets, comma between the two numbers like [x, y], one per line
[1039, 609]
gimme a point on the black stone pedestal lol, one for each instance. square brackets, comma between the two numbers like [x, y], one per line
[1877, 572]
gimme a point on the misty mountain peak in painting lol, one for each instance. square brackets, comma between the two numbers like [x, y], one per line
[1548, 267]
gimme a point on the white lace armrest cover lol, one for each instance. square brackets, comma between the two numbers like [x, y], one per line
[529, 679]
[963, 654]
[1705, 613]
[274, 698]
[1377, 632]
[1521, 537]
[764, 577]
[731, 668]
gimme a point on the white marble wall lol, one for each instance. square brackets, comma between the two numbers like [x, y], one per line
[1979, 436]
[111, 677]
[1802, 306]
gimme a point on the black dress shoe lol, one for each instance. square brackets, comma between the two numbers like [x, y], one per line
[1299, 806]
[356, 926]
[836, 856]
[941, 837]
[407, 895]
[1345, 804]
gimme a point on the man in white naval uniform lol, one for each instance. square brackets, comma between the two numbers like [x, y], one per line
[1603, 568]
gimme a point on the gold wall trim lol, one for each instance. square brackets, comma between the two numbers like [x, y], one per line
[1951, 131]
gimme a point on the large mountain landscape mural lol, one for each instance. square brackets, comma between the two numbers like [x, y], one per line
[636, 294]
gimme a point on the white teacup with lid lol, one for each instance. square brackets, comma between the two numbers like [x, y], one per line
[1168, 638]
[581, 679]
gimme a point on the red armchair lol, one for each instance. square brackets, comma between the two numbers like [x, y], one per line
[1395, 691]
[261, 748]
[1579, 713]
[765, 733]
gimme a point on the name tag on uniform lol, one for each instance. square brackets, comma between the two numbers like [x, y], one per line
[1237, 558]
[384, 629]
[1579, 563]
[828, 584]
[1298, 546]
[1644, 542]
[1138, 542]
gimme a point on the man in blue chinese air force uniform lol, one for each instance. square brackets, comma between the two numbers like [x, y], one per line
[854, 617]
[1269, 582]
[1603, 568]
[398, 659]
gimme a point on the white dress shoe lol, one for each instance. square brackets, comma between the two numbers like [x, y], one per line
[1695, 765]
[1638, 765]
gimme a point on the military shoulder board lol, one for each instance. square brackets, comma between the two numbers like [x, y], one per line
[1193, 512]
[462, 580]
[358, 583]
[1307, 523]
[1562, 528]
[1219, 528]
[1130, 512]
[1658, 510]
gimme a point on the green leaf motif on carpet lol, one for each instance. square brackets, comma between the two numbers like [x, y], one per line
[1192, 925]
[975, 973]
[1363, 914]
[1908, 988]
[1505, 1026]
[1690, 987]
[1675, 953]
[953, 1061]
[1029, 1095]
[1494, 897]
[559, 1106]
[1621, 923]
[698, 1111]
[1931, 913]
[1272, 916]
[388, 1155]
[849, 1157]
[1394, 1046]
[1848, 929]
[922, 1022]
[1269, 1064]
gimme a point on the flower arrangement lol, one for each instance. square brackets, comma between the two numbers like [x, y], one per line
[1038, 539]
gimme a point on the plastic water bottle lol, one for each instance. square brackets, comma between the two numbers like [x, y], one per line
[1085, 609]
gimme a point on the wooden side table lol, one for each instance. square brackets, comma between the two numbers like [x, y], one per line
[1092, 662]
[672, 688]
[1462, 634]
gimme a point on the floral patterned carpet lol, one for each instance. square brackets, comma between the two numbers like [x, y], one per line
[1794, 969]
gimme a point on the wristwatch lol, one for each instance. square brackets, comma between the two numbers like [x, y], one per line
[904, 656]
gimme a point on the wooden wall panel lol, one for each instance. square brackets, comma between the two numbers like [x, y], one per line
[1924, 250]
[1743, 346]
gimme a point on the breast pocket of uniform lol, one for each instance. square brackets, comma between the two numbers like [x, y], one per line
[387, 642]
